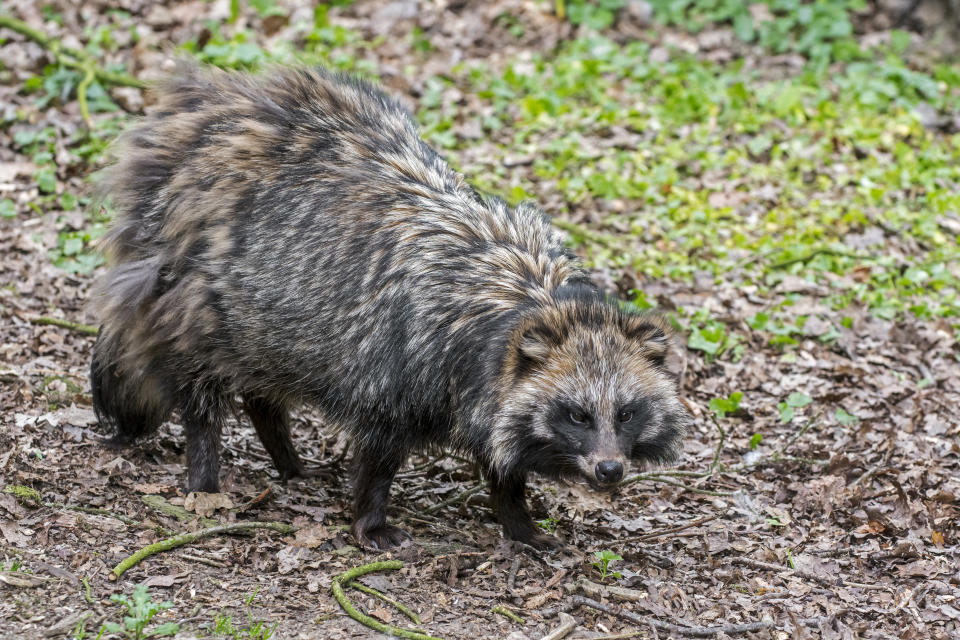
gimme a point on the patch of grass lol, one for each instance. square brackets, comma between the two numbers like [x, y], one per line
[709, 171]
[821, 30]
[140, 611]
[254, 628]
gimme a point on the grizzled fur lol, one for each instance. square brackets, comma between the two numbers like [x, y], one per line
[289, 238]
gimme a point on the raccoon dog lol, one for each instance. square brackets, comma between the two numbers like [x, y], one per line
[289, 239]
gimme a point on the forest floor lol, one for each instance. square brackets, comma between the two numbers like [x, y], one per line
[786, 191]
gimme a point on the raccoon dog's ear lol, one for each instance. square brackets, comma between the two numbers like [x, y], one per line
[653, 337]
[535, 345]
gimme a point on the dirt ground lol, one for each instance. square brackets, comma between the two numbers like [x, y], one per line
[827, 530]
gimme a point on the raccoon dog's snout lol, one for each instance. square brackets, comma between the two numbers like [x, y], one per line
[609, 471]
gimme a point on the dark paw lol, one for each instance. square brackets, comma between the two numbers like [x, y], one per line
[536, 539]
[544, 542]
[203, 484]
[385, 536]
[304, 473]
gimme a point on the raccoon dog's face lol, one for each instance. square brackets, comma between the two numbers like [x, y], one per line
[589, 393]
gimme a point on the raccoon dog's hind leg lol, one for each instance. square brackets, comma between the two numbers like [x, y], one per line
[129, 404]
[203, 407]
[271, 420]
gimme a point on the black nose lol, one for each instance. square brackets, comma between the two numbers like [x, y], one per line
[609, 471]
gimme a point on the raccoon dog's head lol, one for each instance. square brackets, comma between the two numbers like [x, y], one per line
[585, 390]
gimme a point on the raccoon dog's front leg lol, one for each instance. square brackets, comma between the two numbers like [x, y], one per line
[375, 472]
[510, 503]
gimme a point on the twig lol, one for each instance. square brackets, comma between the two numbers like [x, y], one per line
[652, 477]
[861, 585]
[626, 634]
[254, 501]
[462, 496]
[605, 591]
[160, 504]
[683, 474]
[662, 559]
[506, 613]
[130, 522]
[65, 324]
[189, 538]
[86, 590]
[72, 58]
[783, 450]
[89, 75]
[207, 561]
[695, 632]
[663, 532]
[567, 624]
[723, 437]
[769, 566]
[347, 577]
[512, 576]
[402, 608]
[420, 467]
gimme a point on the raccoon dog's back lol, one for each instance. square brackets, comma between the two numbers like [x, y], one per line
[289, 238]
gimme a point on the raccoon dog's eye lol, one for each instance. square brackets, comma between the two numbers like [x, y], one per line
[625, 416]
[578, 417]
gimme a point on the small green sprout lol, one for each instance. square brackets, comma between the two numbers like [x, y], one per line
[603, 561]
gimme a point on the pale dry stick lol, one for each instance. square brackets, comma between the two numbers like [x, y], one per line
[606, 591]
[683, 474]
[207, 561]
[663, 532]
[652, 477]
[434, 524]
[769, 566]
[861, 585]
[692, 631]
[567, 624]
[512, 576]
[663, 560]
[420, 467]
[462, 496]
[624, 635]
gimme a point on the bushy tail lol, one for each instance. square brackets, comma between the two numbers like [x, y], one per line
[129, 404]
